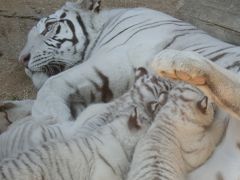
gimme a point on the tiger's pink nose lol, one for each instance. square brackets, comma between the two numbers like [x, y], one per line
[24, 59]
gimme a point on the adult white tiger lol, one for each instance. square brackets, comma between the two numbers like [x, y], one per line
[118, 39]
[110, 44]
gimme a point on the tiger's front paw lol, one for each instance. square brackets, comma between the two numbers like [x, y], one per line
[4, 119]
[11, 111]
[182, 65]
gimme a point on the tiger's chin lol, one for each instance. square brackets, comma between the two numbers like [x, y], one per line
[38, 78]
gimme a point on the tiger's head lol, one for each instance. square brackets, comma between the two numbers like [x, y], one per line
[150, 91]
[57, 42]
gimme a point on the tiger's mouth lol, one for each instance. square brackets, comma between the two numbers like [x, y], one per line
[50, 69]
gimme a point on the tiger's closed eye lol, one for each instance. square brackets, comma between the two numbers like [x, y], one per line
[163, 97]
[48, 27]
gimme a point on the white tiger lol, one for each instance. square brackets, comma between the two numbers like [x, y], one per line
[118, 39]
[112, 43]
[181, 137]
[101, 143]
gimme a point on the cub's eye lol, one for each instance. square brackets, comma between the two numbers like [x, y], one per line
[163, 97]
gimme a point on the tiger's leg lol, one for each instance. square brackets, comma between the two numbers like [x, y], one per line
[216, 82]
[86, 83]
[11, 111]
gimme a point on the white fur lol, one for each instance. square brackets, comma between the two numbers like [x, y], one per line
[181, 138]
[117, 58]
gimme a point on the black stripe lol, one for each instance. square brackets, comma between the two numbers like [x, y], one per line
[116, 24]
[216, 58]
[235, 64]
[15, 164]
[136, 32]
[82, 152]
[54, 46]
[60, 131]
[219, 50]
[17, 137]
[11, 172]
[58, 166]
[202, 48]
[35, 164]
[63, 15]
[69, 170]
[87, 41]
[122, 31]
[106, 162]
[58, 29]
[174, 39]
[28, 166]
[2, 173]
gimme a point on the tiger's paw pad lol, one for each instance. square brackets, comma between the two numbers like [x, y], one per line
[181, 65]
[179, 75]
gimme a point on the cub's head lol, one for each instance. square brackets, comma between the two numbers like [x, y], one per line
[150, 91]
[57, 42]
[192, 104]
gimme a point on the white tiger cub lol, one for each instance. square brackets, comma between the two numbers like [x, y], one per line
[145, 97]
[223, 87]
[182, 137]
[105, 152]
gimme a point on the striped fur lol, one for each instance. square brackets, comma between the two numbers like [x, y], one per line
[181, 138]
[110, 44]
[223, 87]
[102, 138]
[122, 39]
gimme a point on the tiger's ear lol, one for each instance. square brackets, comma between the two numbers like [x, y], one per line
[133, 121]
[92, 5]
[203, 104]
[95, 6]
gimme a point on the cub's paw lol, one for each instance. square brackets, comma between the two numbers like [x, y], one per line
[182, 65]
[11, 111]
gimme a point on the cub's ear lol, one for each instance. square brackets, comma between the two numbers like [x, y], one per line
[95, 6]
[203, 104]
[139, 72]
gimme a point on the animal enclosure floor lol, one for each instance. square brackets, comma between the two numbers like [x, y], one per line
[14, 84]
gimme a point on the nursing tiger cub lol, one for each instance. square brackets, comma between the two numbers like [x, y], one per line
[103, 143]
[183, 135]
[144, 99]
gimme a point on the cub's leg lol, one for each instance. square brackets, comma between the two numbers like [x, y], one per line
[216, 82]
[11, 111]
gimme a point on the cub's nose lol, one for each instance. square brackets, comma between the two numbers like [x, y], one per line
[24, 59]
